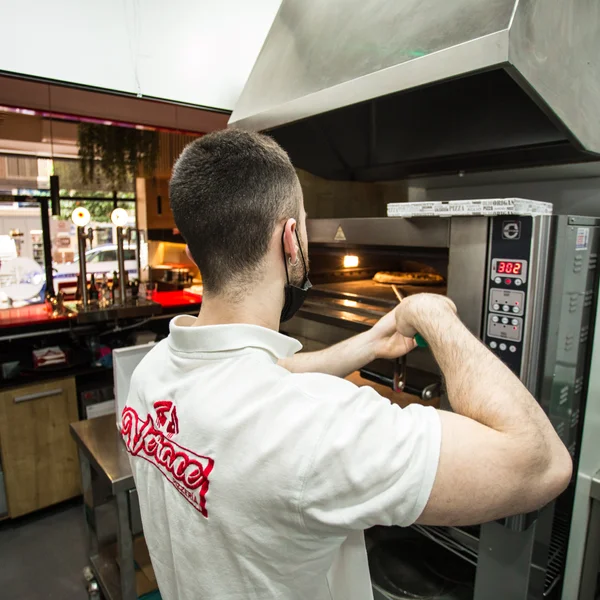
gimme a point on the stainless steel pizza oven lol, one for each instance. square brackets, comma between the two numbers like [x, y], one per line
[525, 285]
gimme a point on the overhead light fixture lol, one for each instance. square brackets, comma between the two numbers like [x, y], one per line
[350, 261]
[80, 216]
[119, 217]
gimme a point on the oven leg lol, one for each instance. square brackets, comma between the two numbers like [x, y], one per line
[591, 559]
[504, 562]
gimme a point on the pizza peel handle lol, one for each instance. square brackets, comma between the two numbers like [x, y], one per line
[421, 343]
[419, 339]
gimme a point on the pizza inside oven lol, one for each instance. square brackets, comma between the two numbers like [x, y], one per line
[408, 278]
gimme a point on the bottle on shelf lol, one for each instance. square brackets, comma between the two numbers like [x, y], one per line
[150, 287]
[104, 291]
[116, 290]
[78, 293]
[93, 289]
[128, 291]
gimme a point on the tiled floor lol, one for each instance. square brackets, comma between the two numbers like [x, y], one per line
[42, 556]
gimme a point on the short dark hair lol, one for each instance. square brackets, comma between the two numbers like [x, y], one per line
[227, 191]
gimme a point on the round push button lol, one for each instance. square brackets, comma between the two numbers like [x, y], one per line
[503, 347]
[516, 309]
[518, 282]
[515, 321]
[496, 307]
[495, 319]
[513, 348]
[505, 320]
[506, 308]
[493, 345]
[498, 280]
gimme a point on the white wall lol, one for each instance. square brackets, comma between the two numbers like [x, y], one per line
[193, 51]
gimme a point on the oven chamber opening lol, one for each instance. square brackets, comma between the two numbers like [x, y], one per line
[345, 300]
[333, 280]
[327, 263]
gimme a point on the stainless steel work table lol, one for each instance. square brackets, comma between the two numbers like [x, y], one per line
[107, 483]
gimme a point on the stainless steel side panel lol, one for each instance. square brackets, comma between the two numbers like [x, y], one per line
[385, 231]
[536, 297]
[467, 268]
[589, 456]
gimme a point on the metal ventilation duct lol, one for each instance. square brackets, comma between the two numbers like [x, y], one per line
[377, 89]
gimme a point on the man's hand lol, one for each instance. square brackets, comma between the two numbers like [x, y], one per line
[385, 339]
[416, 312]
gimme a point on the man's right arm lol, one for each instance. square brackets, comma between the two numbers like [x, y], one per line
[499, 454]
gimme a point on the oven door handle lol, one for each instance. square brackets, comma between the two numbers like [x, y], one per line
[433, 390]
[376, 377]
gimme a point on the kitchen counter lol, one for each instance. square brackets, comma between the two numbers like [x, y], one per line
[24, 328]
[177, 300]
[36, 315]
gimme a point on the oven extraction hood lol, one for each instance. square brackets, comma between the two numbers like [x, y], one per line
[373, 90]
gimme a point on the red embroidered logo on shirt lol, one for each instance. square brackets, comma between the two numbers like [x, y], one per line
[187, 471]
[166, 417]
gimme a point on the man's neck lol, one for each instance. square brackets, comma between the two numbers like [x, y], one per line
[260, 305]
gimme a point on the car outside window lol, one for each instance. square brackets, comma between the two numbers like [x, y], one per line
[106, 256]
[91, 257]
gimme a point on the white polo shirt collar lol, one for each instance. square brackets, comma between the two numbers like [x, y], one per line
[216, 340]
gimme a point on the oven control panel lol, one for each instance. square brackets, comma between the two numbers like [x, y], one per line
[513, 272]
[506, 301]
[507, 288]
[505, 328]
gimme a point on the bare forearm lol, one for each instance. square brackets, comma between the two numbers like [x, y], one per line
[479, 385]
[340, 360]
[516, 461]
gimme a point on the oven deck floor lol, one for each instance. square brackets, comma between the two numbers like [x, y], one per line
[367, 289]
[362, 302]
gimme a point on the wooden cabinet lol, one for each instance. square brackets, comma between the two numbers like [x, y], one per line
[39, 457]
[153, 206]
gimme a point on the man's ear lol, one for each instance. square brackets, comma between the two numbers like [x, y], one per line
[289, 240]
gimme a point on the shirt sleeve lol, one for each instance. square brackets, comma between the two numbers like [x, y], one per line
[375, 464]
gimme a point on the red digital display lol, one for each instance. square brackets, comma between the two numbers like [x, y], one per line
[509, 267]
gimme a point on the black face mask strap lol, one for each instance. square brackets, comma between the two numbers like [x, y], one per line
[287, 275]
[301, 255]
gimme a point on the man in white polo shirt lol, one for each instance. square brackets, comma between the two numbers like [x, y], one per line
[258, 468]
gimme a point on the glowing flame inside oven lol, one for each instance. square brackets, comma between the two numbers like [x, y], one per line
[350, 261]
